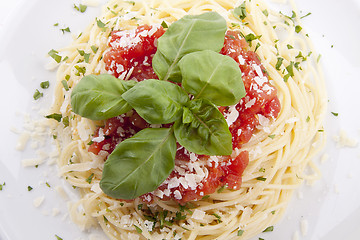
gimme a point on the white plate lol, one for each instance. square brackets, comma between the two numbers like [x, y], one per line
[330, 208]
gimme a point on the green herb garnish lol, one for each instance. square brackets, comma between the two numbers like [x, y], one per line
[81, 8]
[261, 178]
[269, 229]
[54, 54]
[2, 186]
[55, 116]
[138, 230]
[94, 48]
[218, 218]
[64, 30]
[90, 178]
[240, 12]
[298, 28]
[272, 136]
[210, 78]
[65, 85]
[164, 24]
[37, 94]
[278, 63]
[45, 85]
[58, 238]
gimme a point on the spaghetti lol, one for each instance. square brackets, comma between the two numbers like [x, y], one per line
[280, 151]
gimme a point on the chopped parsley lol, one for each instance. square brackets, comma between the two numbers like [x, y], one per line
[64, 30]
[218, 218]
[261, 178]
[179, 216]
[205, 197]
[308, 119]
[222, 188]
[305, 15]
[58, 238]
[94, 48]
[37, 94]
[54, 54]
[240, 232]
[164, 24]
[265, 12]
[90, 178]
[2, 186]
[45, 85]
[269, 229]
[101, 25]
[85, 55]
[47, 184]
[65, 85]
[272, 136]
[257, 46]
[318, 58]
[65, 121]
[81, 8]
[55, 116]
[80, 70]
[138, 230]
[29, 188]
[251, 37]
[240, 12]
[290, 70]
[298, 28]
[335, 114]
[278, 63]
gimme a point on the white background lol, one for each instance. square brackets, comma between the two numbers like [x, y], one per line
[331, 207]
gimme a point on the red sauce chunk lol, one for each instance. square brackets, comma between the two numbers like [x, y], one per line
[194, 176]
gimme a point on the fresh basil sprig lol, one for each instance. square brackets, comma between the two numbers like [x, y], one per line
[139, 164]
[188, 53]
[98, 97]
[189, 34]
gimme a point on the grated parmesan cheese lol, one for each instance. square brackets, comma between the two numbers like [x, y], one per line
[292, 120]
[198, 214]
[343, 140]
[304, 226]
[38, 201]
[22, 141]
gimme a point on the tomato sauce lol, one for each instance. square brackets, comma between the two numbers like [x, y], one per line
[130, 56]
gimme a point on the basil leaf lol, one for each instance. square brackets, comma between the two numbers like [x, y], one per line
[189, 34]
[139, 164]
[98, 97]
[207, 133]
[158, 102]
[240, 12]
[213, 76]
